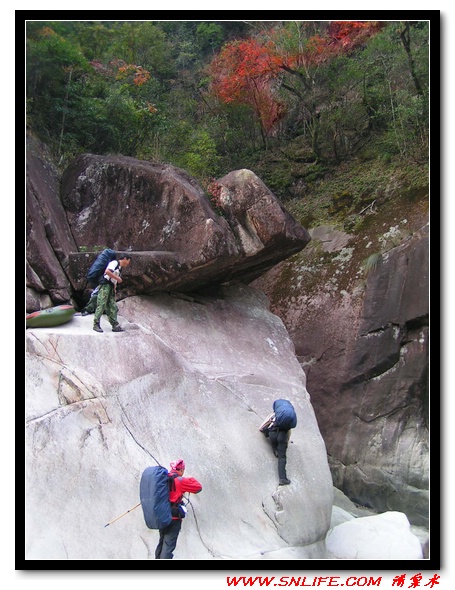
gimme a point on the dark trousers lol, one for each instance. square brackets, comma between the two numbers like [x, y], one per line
[168, 540]
[279, 440]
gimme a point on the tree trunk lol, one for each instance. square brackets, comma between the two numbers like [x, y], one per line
[406, 40]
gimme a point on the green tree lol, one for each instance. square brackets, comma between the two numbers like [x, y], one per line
[144, 44]
[79, 105]
[209, 36]
[56, 71]
[396, 103]
[200, 156]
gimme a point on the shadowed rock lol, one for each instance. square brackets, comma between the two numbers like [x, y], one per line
[48, 236]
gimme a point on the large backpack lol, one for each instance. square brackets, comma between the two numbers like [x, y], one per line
[154, 493]
[96, 271]
[285, 416]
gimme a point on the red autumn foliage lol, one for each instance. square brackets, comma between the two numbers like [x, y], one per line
[350, 31]
[238, 66]
[244, 71]
[340, 37]
[214, 192]
[241, 74]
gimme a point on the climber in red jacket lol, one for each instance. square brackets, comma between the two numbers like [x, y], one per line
[181, 485]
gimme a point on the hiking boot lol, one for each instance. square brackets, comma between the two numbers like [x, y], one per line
[284, 482]
[117, 328]
[97, 327]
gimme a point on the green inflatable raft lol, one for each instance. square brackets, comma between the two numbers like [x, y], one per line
[47, 318]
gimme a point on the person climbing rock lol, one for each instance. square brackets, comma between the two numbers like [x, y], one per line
[169, 535]
[277, 429]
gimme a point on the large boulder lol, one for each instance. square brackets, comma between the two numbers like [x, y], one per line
[186, 379]
[160, 212]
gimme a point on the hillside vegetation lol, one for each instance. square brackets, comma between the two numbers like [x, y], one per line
[331, 115]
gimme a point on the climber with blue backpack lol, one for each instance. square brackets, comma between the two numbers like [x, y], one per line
[156, 506]
[277, 428]
[161, 492]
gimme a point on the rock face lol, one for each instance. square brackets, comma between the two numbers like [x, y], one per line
[48, 237]
[364, 346]
[185, 379]
[158, 214]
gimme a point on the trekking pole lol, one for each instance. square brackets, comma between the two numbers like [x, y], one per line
[131, 509]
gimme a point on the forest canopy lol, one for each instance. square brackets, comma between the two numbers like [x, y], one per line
[213, 96]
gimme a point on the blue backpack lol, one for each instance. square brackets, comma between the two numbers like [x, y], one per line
[154, 493]
[96, 271]
[285, 416]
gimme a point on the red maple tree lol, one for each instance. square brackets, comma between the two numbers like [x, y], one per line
[241, 74]
[244, 71]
